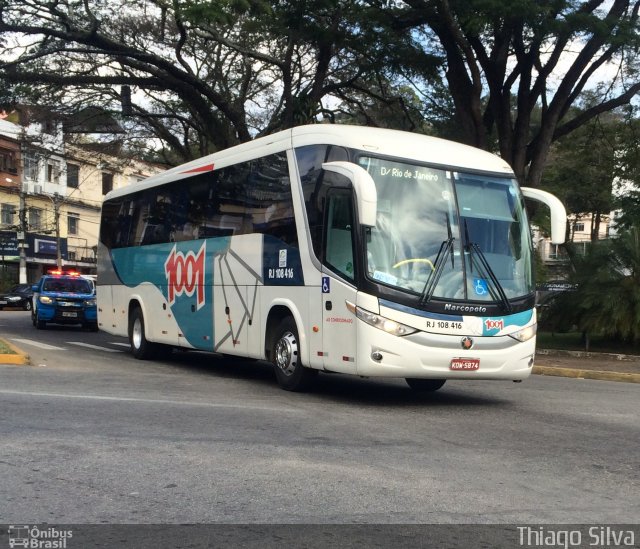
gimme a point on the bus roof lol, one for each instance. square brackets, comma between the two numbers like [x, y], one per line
[378, 141]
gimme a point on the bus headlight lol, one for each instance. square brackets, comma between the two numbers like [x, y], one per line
[380, 322]
[525, 334]
[46, 300]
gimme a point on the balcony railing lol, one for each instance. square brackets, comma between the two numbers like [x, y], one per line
[81, 254]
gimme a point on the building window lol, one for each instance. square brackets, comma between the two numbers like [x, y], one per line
[73, 176]
[7, 213]
[107, 182]
[73, 220]
[35, 218]
[30, 166]
[578, 227]
[53, 171]
[8, 161]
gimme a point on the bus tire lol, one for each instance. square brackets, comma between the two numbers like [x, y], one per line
[141, 348]
[291, 374]
[425, 385]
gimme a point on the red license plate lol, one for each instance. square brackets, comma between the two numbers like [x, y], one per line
[464, 364]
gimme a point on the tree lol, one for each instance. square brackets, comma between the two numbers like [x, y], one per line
[205, 75]
[199, 76]
[607, 296]
[501, 59]
[583, 168]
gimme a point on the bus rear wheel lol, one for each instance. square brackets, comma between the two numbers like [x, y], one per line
[291, 374]
[141, 348]
[425, 385]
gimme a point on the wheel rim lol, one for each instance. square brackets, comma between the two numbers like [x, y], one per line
[287, 353]
[136, 333]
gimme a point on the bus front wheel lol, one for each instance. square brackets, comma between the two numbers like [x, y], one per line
[141, 348]
[291, 374]
[425, 385]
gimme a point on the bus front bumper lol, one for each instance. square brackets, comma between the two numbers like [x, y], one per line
[438, 356]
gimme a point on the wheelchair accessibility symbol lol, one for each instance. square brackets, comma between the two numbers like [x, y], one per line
[480, 286]
[326, 287]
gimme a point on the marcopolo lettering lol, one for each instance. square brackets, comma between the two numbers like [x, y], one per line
[185, 274]
[465, 308]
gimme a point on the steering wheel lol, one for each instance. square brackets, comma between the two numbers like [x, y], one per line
[414, 260]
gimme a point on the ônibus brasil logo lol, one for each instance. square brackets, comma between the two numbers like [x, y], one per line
[185, 274]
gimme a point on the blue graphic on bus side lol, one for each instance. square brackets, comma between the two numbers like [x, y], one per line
[281, 264]
[184, 273]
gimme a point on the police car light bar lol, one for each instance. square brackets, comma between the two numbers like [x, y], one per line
[68, 273]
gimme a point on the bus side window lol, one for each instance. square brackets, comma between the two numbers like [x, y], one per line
[339, 233]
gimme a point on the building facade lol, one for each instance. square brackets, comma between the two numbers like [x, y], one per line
[51, 194]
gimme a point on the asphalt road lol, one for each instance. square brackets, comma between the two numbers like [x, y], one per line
[91, 435]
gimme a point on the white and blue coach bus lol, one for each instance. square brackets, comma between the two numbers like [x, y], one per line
[333, 248]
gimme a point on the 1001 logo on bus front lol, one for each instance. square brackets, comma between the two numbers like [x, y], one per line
[185, 275]
[494, 324]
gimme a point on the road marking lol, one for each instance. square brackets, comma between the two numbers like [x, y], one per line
[120, 344]
[96, 347]
[240, 406]
[38, 344]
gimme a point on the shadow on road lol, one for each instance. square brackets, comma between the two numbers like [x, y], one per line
[337, 388]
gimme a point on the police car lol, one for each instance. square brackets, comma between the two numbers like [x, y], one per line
[64, 298]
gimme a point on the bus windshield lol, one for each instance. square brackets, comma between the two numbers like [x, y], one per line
[448, 235]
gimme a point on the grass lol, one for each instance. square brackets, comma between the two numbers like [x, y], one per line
[5, 349]
[573, 341]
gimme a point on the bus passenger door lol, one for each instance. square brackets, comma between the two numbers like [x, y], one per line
[338, 284]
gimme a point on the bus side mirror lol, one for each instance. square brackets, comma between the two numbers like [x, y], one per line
[558, 213]
[365, 188]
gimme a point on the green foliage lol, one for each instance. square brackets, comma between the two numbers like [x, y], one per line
[582, 167]
[541, 273]
[607, 299]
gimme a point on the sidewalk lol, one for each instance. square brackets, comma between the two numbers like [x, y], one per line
[579, 364]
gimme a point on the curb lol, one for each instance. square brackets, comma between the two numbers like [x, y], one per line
[585, 354]
[19, 357]
[586, 374]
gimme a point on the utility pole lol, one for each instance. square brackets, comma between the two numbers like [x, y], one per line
[56, 217]
[22, 236]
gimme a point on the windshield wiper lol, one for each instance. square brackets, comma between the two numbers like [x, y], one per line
[485, 270]
[446, 248]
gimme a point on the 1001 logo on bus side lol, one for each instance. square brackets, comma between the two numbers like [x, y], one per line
[185, 275]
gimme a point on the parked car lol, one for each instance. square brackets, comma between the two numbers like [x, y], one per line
[18, 296]
[64, 298]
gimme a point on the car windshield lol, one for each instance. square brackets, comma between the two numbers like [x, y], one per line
[66, 285]
[20, 288]
[448, 235]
